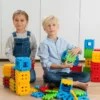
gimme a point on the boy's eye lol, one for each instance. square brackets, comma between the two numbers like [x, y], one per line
[54, 25]
[49, 25]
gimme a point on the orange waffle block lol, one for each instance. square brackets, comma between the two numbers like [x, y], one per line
[88, 62]
[96, 56]
[7, 70]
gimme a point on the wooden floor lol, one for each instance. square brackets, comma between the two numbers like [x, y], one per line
[6, 94]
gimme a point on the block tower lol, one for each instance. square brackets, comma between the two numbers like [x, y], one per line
[88, 49]
[17, 76]
[22, 75]
[6, 69]
[95, 66]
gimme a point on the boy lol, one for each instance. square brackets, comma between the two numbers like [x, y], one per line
[50, 52]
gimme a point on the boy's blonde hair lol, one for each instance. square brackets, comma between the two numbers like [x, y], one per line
[18, 12]
[49, 18]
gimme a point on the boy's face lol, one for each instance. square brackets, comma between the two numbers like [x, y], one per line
[20, 22]
[51, 28]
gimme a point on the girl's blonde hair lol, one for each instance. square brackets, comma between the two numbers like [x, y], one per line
[49, 18]
[18, 12]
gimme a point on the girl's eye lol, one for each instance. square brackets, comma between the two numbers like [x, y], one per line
[22, 20]
[16, 20]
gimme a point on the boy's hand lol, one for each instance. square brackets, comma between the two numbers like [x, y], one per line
[74, 51]
[67, 65]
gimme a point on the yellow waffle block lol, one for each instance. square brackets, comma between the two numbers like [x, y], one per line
[67, 81]
[6, 70]
[12, 85]
[96, 56]
[23, 88]
[22, 76]
[75, 97]
[88, 62]
[33, 90]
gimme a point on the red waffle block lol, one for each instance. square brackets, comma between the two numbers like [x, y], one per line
[6, 81]
[96, 49]
[76, 69]
[33, 64]
[95, 68]
[12, 73]
[44, 88]
[95, 78]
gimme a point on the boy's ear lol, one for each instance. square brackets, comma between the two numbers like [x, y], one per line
[58, 26]
[44, 29]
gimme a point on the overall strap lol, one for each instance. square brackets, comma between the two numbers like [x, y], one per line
[14, 34]
[28, 33]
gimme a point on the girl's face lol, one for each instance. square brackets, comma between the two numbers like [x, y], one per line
[20, 22]
[51, 28]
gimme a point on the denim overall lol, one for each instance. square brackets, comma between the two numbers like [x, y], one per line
[22, 49]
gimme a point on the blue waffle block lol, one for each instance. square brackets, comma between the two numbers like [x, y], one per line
[23, 63]
[89, 44]
[83, 98]
[37, 94]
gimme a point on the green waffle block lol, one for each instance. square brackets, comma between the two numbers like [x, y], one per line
[88, 53]
[51, 91]
[79, 92]
[49, 96]
[86, 69]
[71, 58]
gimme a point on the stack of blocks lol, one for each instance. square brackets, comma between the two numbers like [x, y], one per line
[88, 49]
[95, 66]
[20, 76]
[7, 74]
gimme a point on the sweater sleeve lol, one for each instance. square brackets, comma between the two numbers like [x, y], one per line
[44, 56]
[9, 49]
[33, 45]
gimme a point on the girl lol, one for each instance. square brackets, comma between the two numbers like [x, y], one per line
[21, 43]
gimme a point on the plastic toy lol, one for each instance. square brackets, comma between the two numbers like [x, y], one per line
[69, 58]
[37, 94]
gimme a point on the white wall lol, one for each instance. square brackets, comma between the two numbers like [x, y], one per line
[79, 19]
[0, 29]
[90, 22]
[32, 7]
[68, 13]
